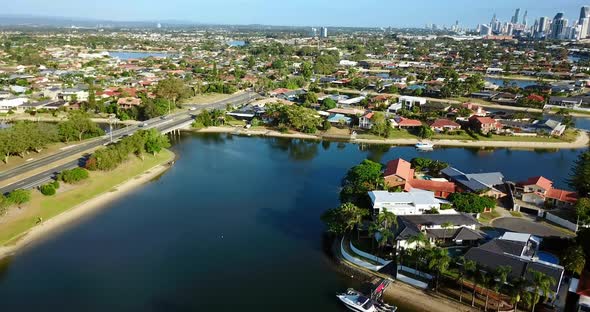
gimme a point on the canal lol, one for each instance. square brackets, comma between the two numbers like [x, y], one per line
[234, 224]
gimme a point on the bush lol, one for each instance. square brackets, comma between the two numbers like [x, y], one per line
[18, 197]
[47, 189]
[55, 184]
[73, 176]
[255, 122]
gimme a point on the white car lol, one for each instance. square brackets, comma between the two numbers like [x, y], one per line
[192, 109]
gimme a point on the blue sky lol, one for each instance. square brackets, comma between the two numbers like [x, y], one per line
[395, 13]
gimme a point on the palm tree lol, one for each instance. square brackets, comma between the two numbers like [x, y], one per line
[518, 291]
[473, 270]
[354, 217]
[445, 226]
[486, 281]
[419, 239]
[374, 228]
[541, 284]
[466, 267]
[439, 261]
[501, 277]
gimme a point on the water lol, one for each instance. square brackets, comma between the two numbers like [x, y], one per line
[234, 224]
[519, 83]
[124, 56]
[237, 43]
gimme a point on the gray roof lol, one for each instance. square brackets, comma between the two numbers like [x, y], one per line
[474, 181]
[504, 246]
[440, 219]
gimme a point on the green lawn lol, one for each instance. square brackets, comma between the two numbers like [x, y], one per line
[486, 217]
[516, 214]
[98, 183]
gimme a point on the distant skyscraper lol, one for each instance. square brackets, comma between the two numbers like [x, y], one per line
[583, 28]
[515, 17]
[584, 12]
[493, 20]
[159, 26]
[559, 26]
[543, 24]
[524, 18]
[324, 32]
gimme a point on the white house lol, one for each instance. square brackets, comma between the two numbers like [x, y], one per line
[11, 104]
[414, 202]
[406, 102]
[365, 121]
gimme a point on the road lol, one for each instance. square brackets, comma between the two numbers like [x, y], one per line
[170, 122]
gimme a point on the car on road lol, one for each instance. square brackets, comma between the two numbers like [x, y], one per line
[163, 117]
[143, 124]
[192, 109]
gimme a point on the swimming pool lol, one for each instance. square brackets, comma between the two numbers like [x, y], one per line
[548, 257]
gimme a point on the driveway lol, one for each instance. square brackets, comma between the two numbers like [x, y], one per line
[522, 225]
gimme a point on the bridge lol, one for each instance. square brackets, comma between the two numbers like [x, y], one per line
[164, 124]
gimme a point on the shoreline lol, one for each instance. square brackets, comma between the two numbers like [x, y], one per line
[581, 141]
[404, 295]
[83, 210]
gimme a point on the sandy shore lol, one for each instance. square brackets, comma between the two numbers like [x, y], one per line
[80, 211]
[581, 141]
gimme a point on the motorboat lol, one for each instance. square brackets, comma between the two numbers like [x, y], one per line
[356, 301]
[424, 145]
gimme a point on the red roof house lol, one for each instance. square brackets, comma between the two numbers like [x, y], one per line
[442, 124]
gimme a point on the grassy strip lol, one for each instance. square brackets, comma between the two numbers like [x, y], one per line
[98, 183]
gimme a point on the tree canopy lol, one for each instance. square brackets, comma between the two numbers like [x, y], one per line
[294, 116]
[359, 180]
[472, 203]
[580, 176]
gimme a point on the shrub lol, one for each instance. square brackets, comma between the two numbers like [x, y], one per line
[55, 184]
[255, 122]
[19, 197]
[73, 176]
[47, 189]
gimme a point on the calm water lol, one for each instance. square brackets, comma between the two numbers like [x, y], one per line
[237, 43]
[233, 225]
[136, 55]
[520, 83]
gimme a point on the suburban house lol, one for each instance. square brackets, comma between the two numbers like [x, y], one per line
[540, 191]
[74, 93]
[568, 102]
[405, 123]
[128, 102]
[339, 119]
[405, 203]
[484, 124]
[441, 125]
[406, 102]
[398, 173]
[476, 109]
[12, 103]
[440, 229]
[553, 127]
[365, 121]
[490, 184]
[520, 252]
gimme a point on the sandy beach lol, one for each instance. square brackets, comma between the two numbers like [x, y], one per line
[83, 210]
[581, 141]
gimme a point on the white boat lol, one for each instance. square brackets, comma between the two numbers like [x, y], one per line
[424, 145]
[356, 301]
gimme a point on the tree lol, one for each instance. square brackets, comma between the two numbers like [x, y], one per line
[500, 279]
[73, 175]
[381, 126]
[344, 218]
[439, 261]
[583, 210]
[47, 189]
[465, 267]
[425, 132]
[421, 163]
[574, 259]
[518, 291]
[359, 180]
[472, 203]
[78, 126]
[306, 70]
[472, 269]
[327, 125]
[294, 116]
[328, 103]
[155, 141]
[171, 89]
[580, 176]
[19, 197]
[486, 280]
[541, 285]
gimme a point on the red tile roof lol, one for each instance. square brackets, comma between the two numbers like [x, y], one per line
[484, 120]
[400, 168]
[405, 122]
[562, 195]
[433, 186]
[442, 123]
[543, 182]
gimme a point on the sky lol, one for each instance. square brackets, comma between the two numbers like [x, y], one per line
[370, 13]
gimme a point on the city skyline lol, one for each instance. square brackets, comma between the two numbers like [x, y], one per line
[345, 13]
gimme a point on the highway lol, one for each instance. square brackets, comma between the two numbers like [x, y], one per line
[162, 124]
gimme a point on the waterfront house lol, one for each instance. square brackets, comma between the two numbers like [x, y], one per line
[339, 119]
[580, 288]
[442, 124]
[520, 252]
[476, 109]
[406, 102]
[405, 123]
[365, 121]
[484, 124]
[398, 173]
[540, 191]
[404, 203]
[489, 184]
[440, 229]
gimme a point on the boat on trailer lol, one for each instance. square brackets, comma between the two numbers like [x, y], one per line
[357, 301]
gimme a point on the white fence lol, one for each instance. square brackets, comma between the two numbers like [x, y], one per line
[368, 255]
[563, 222]
[412, 281]
[358, 261]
